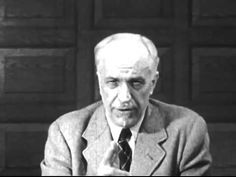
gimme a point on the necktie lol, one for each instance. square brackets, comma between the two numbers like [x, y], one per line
[125, 154]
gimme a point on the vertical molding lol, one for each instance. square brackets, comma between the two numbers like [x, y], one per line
[2, 149]
[85, 15]
[84, 54]
[85, 71]
[98, 14]
[2, 76]
[195, 86]
[195, 10]
[164, 89]
[181, 52]
[2, 10]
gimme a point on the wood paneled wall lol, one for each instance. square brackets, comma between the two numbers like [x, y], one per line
[196, 42]
[47, 66]
[37, 77]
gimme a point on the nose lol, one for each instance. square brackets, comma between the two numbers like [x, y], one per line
[124, 95]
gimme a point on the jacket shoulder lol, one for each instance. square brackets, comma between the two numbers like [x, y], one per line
[75, 121]
[179, 117]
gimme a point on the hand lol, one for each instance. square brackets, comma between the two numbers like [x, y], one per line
[106, 166]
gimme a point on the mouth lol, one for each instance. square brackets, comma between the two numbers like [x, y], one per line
[125, 109]
[125, 114]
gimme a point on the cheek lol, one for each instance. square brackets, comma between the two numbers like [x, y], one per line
[145, 92]
[107, 95]
[142, 97]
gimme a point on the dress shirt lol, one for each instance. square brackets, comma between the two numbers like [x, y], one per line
[116, 130]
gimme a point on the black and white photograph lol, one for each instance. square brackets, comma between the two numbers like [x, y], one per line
[117, 87]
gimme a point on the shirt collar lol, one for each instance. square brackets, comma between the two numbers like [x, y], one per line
[116, 130]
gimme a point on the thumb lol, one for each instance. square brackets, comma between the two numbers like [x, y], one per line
[110, 154]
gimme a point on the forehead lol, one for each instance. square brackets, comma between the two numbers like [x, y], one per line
[125, 71]
[124, 65]
[125, 54]
[124, 48]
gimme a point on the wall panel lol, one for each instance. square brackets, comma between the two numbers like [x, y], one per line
[22, 147]
[30, 73]
[139, 13]
[214, 75]
[213, 12]
[213, 83]
[222, 137]
[36, 13]
[34, 80]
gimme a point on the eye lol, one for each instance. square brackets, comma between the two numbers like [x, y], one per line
[112, 83]
[137, 84]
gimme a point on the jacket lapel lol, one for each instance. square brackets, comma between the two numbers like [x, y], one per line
[98, 138]
[148, 151]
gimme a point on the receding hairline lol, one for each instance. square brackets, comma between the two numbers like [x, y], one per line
[146, 42]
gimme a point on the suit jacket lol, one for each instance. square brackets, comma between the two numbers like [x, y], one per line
[172, 140]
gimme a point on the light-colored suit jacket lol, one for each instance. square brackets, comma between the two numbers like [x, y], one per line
[172, 140]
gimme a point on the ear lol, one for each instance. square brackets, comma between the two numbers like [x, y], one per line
[98, 75]
[99, 80]
[154, 81]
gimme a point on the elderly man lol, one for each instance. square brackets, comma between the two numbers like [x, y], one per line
[127, 133]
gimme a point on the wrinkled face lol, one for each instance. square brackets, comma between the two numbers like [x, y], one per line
[126, 83]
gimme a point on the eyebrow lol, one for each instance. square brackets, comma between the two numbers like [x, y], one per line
[140, 79]
[130, 79]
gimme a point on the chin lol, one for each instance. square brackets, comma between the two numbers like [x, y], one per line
[125, 119]
[127, 122]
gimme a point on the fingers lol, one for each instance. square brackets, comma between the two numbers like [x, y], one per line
[118, 172]
[111, 171]
[110, 154]
[106, 166]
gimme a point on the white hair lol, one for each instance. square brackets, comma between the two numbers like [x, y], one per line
[146, 43]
